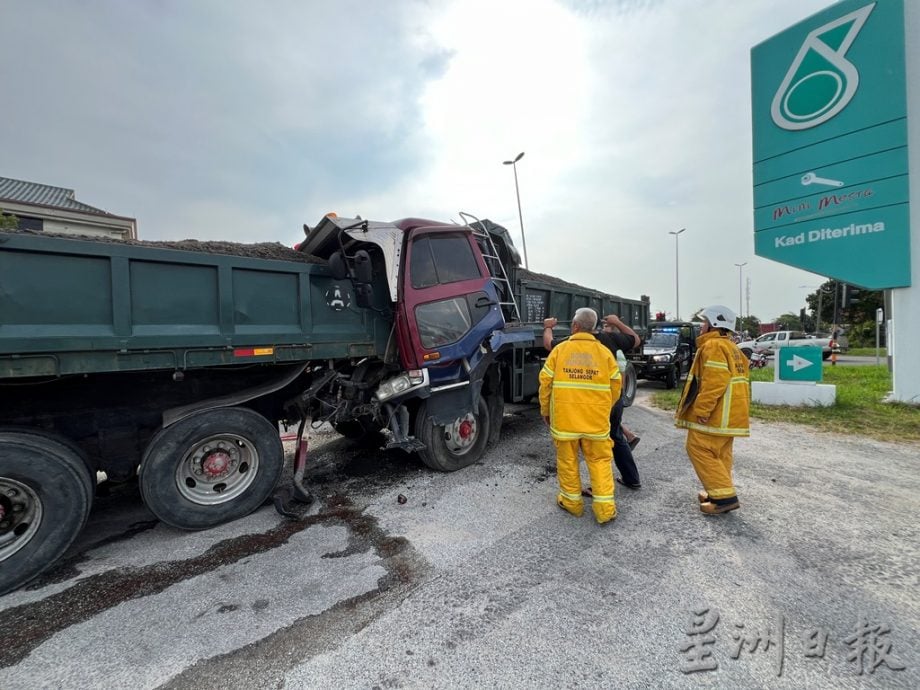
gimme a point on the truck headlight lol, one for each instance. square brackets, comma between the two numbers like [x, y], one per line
[408, 380]
[661, 358]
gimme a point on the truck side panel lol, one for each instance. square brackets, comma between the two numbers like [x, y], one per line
[71, 306]
[539, 299]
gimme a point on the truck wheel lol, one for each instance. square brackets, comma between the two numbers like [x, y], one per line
[46, 492]
[213, 467]
[747, 352]
[629, 385]
[454, 446]
[670, 379]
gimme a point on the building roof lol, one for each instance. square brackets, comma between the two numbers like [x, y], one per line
[44, 195]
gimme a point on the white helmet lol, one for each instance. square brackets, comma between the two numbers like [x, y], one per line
[719, 316]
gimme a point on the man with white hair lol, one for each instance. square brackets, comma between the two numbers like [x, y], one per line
[578, 386]
[714, 408]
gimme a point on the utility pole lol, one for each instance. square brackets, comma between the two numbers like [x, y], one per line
[747, 308]
[676, 273]
[740, 300]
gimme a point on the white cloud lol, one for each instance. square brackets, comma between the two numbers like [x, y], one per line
[227, 120]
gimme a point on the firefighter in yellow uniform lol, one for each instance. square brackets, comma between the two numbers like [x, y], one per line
[714, 408]
[579, 384]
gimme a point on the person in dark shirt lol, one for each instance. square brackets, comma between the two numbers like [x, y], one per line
[615, 335]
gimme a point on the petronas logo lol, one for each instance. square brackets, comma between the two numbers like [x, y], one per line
[821, 81]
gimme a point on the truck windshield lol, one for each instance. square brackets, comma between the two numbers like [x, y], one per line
[662, 339]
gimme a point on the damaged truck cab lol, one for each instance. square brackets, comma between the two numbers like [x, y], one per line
[437, 386]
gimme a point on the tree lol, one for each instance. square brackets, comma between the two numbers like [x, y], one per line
[8, 221]
[751, 324]
[850, 306]
[789, 322]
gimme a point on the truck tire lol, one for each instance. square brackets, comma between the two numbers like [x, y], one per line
[670, 379]
[630, 381]
[69, 445]
[747, 352]
[216, 466]
[454, 446]
[46, 492]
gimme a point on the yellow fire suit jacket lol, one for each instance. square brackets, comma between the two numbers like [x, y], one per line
[718, 387]
[579, 384]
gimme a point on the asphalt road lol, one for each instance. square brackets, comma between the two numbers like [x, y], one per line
[479, 580]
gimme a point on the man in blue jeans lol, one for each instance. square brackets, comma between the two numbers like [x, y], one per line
[616, 335]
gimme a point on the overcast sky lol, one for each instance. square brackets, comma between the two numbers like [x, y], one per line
[224, 119]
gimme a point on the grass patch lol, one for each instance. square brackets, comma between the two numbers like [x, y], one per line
[859, 409]
[867, 351]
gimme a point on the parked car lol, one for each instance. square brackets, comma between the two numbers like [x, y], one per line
[771, 342]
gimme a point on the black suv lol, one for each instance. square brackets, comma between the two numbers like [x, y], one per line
[667, 351]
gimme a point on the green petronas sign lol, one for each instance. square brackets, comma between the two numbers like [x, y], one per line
[820, 81]
[830, 145]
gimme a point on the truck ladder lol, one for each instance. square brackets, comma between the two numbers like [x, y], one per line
[499, 275]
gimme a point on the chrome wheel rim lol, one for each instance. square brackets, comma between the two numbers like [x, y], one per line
[460, 437]
[20, 516]
[217, 469]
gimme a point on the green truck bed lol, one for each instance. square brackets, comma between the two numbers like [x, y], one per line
[540, 296]
[73, 306]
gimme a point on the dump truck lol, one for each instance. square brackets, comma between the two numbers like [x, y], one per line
[173, 364]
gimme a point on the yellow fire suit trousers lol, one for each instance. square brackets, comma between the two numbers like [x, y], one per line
[711, 456]
[598, 457]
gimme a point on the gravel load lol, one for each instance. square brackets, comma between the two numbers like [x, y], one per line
[552, 280]
[260, 250]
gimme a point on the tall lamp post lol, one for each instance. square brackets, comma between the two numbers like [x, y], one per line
[517, 191]
[740, 293]
[676, 273]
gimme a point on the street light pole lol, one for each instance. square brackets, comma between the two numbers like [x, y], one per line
[676, 273]
[517, 191]
[740, 293]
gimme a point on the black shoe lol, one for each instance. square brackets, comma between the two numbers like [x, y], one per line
[635, 442]
[710, 508]
[634, 487]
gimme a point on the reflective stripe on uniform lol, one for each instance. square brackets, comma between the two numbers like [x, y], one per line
[602, 499]
[571, 497]
[571, 436]
[714, 430]
[584, 386]
[716, 365]
[546, 370]
[727, 405]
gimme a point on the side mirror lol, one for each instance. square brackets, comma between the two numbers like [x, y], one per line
[337, 266]
[364, 271]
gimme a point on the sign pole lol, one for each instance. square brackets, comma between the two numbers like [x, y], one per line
[879, 315]
[904, 333]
